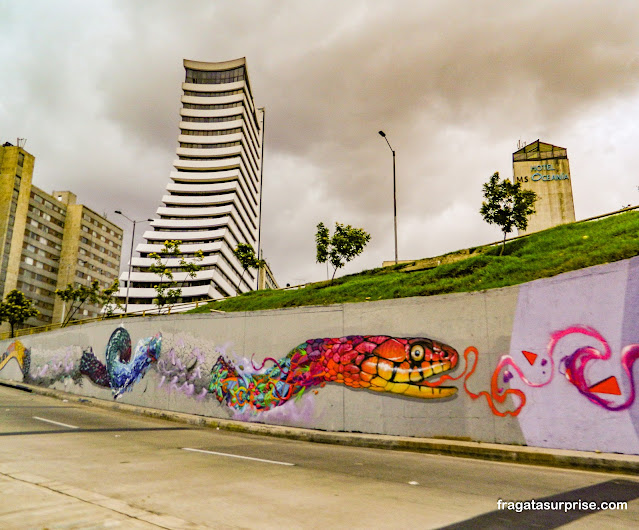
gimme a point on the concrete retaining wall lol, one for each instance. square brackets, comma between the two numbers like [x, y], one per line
[547, 363]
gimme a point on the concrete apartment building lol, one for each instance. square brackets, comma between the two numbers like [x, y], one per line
[266, 279]
[544, 169]
[48, 240]
[213, 199]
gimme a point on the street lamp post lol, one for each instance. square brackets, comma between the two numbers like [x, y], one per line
[64, 302]
[383, 135]
[128, 279]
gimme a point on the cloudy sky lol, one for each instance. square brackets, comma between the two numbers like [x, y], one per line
[94, 87]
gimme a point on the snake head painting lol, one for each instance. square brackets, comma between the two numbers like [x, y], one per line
[403, 366]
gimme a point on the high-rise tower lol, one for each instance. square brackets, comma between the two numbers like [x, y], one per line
[213, 197]
[544, 169]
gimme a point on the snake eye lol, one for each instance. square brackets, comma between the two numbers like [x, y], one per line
[417, 352]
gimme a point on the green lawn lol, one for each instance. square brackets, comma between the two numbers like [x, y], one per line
[547, 253]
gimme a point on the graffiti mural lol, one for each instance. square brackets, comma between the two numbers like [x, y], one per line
[576, 365]
[378, 363]
[121, 371]
[186, 375]
[17, 351]
[59, 366]
[403, 366]
[564, 375]
[119, 374]
[573, 367]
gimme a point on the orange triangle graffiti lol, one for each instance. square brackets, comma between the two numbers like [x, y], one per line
[607, 386]
[530, 356]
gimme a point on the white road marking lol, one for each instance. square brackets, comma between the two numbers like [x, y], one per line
[238, 456]
[56, 423]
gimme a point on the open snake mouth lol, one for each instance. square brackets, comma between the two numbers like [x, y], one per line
[404, 367]
[415, 382]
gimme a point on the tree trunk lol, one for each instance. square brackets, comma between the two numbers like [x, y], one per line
[237, 291]
[73, 312]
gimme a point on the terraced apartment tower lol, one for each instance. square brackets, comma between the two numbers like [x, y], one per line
[213, 196]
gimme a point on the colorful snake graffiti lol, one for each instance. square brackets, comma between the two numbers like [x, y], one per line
[403, 366]
[379, 363]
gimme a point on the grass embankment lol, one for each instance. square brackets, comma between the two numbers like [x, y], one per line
[548, 253]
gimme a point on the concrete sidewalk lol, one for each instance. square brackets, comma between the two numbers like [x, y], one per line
[64, 506]
[586, 460]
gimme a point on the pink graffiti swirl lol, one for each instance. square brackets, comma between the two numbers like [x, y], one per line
[576, 364]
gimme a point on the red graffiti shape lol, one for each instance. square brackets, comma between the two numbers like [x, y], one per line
[575, 368]
[577, 362]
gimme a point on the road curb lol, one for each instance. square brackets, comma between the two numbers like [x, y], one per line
[585, 460]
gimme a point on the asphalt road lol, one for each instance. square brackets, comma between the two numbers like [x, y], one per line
[67, 465]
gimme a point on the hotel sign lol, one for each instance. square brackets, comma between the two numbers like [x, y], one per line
[536, 174]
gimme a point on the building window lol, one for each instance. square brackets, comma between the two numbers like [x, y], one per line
[211, 133]
[210, 146]
[216, 106]
[213, 94]
[216, 77]
[211, 119]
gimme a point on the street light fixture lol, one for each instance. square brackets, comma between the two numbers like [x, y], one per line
[128, 279]
[383, 135]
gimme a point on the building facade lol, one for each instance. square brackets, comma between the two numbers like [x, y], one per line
[266, 278]
[48, 240]
[213, 198]
[544, 169]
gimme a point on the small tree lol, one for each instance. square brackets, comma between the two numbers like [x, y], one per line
[168, 289]
[507, 205]
[246, 256]
[109, 302]
[16, 309]
[345, 244]
[76, 297]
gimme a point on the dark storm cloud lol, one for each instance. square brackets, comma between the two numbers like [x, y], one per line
[453, 84]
